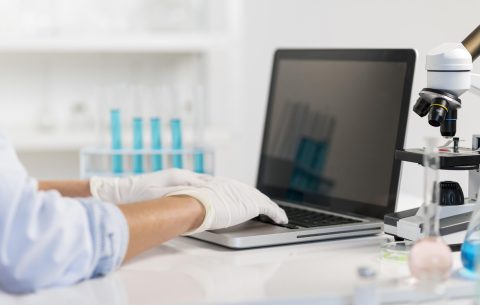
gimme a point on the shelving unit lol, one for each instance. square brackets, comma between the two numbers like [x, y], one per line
[30, 140]
[47, 74]
[180, 43]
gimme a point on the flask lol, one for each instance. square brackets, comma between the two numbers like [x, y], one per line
[471, 246]
[430, 259]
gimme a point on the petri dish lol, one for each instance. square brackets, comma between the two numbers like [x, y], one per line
[396, 251]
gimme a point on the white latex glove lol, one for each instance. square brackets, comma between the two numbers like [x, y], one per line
[228, 202]
[144, 187]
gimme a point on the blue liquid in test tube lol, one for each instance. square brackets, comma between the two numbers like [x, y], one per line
[156, 133]
[137, 144]
[198, 161]
[198, 132]
[116, 133]
[176, 129]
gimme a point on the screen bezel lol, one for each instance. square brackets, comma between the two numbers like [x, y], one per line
[407, 56]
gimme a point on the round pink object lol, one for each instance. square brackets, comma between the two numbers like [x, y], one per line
[430, 259]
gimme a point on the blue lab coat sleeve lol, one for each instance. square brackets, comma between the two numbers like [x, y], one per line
[47, 240]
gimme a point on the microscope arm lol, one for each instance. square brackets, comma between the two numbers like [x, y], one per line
[472, 43]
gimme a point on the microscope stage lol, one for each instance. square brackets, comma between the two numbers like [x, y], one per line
[464, 159]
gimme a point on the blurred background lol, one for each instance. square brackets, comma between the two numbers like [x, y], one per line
[59, 61]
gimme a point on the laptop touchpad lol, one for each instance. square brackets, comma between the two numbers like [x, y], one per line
[253, 228]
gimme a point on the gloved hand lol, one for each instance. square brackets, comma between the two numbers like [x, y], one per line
[144, 187]
[228, 202]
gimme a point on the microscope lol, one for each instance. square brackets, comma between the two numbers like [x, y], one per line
[449, 75]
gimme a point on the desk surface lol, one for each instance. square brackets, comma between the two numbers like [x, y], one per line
[187, 271]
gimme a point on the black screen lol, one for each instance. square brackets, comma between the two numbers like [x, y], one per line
[332, 131]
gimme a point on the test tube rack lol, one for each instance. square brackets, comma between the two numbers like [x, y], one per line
[99, 161]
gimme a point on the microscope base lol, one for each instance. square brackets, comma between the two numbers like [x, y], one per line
[409, 224]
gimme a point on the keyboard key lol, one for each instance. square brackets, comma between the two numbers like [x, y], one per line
[265, 219]
[310, 219]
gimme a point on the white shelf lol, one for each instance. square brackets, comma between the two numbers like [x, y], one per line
[146, 43]
[30, 140]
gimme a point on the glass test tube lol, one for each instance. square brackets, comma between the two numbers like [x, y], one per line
[138, 144]
[199, 122]
[176, 130]
[116, 134]
[156, 135]
[137, 95]
[198, 160]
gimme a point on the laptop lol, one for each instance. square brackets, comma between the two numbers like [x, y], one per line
[334, 120]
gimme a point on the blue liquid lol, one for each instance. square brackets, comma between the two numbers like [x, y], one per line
[116, 134]
[176, 128]
[156, 133]
[138, 144]
[470, 254]
[198, 161]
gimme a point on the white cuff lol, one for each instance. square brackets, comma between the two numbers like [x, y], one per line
[203, 196]
[94, 186]
[106, 189]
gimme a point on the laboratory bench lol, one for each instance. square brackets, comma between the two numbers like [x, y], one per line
[189, 271]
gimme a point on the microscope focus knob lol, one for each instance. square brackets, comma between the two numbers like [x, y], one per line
[451, 193]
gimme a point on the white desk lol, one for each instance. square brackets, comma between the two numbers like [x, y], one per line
[187, 271]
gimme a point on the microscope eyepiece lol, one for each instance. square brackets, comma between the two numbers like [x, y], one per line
[438, 112]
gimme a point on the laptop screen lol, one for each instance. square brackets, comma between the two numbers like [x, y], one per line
[334, 121]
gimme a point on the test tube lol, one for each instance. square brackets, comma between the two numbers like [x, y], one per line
[198, 160]
[138, 144]
[175, 102]
[199, 127]
[156, 134]
[156, 100]
[116, 133]
[137, 132]
[177, 145]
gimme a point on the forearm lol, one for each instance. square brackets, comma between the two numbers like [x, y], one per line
[68, 188]
[156, 221]
[150, 222]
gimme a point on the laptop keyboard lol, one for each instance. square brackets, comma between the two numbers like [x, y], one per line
[309, 219]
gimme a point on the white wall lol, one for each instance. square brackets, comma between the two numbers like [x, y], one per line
[264, 25]
[271, 24]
